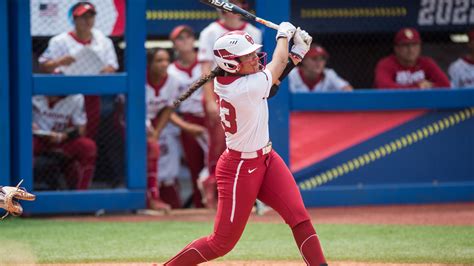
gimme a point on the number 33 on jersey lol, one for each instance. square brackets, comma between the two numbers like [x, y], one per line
[244, 109]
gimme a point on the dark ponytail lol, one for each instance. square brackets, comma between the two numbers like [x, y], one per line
[196, 85]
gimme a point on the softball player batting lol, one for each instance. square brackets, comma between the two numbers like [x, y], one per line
[249, 168]
[227, 22]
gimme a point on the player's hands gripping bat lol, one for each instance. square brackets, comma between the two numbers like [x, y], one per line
[301, 43]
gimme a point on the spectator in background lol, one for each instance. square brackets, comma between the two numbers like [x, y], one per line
[169, 164]
[227, 22]
[461, 71]
[59, 124]
[161, 90]
[406, 69]
[313, 76]
[63, 49]
[191, 112]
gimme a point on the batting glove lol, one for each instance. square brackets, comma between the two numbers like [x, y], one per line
[285, 30]
[302, 42]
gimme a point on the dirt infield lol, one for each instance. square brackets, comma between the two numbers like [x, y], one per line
[441, 214]
[260, 263]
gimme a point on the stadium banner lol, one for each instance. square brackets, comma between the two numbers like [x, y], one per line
[383, 157]
[383, 15]
[329, 15]
[51, 17]
[162, 16]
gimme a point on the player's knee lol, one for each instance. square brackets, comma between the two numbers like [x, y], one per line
[88, 146]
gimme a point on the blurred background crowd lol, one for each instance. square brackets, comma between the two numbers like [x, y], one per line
[78, 140]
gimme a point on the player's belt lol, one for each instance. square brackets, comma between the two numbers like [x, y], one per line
[253, 154]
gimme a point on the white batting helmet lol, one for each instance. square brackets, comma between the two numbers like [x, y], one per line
[232, 45]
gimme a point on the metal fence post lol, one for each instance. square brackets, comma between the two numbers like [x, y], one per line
[4, 97]
[135, 66]
[21, 84]
[277, 11]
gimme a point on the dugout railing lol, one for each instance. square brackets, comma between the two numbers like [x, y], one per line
[26, 85]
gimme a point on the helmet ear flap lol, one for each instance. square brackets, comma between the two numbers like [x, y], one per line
[230, 46]
[237, 68]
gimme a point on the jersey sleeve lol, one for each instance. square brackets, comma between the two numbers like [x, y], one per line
[453, 75]
[171, 92]
[292, 81]
[111, 56]
[206, 45]
[79, 117]
[259, 85]
[54, 50]
[337, 82]
[436, 75]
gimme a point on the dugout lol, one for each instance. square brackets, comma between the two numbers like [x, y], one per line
[351, 33]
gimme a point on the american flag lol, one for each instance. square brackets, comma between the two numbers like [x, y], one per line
[48, 9]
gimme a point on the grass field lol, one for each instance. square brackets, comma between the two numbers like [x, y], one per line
[46, 241]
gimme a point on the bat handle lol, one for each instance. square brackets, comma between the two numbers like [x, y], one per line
[266, 23]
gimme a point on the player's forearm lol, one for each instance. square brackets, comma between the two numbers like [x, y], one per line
[163, 118]
[178, 121]
[348, 88]
[108, 69]
[279, 59]
[440, 80]
[49, 66]
[293, 61]
[280, 55]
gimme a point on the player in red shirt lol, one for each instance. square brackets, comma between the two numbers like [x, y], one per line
[249, 168]
[406, 69]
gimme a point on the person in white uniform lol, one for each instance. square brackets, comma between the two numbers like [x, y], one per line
[461, 71]
[313, 76]
[227, 22]
[59, 124]
[162, 89]
[190, 115]
[249, 168]
[63, 49]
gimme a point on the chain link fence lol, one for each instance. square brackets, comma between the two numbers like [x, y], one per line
[356, 35]
[78, 139]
